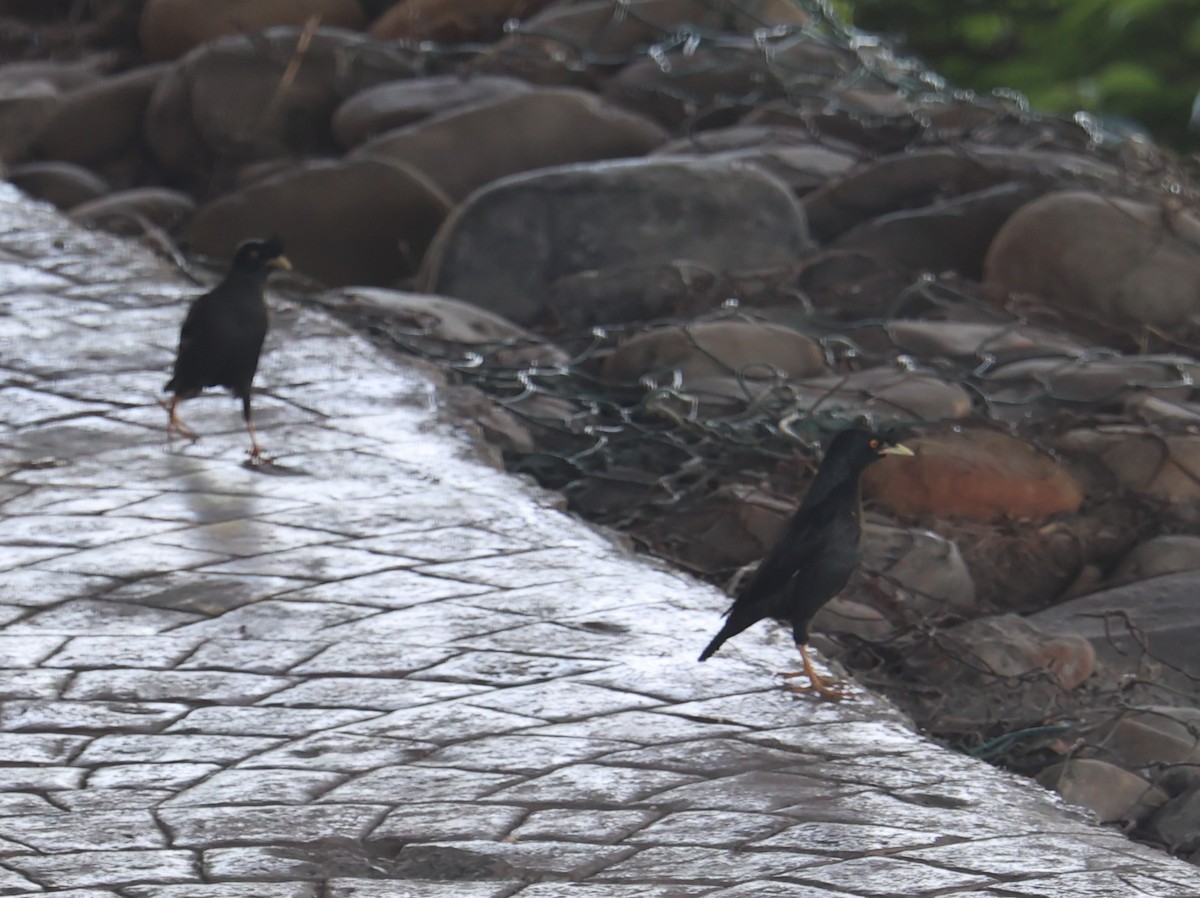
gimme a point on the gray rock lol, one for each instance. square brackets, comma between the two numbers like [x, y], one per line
[360, 221]
[1148, 629]
[928, 567]
[791, 154]
[505, 246]
[221, 105]
[1177, 823]
[890, 395]
[61, 76]
[678, 82]
[1095, 379]
[550, 41]
[400, 103]
[62, 183]
[532, 130]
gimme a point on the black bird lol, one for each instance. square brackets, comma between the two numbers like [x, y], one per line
[223, 333]
[816, 554]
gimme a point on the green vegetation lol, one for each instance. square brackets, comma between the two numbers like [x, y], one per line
[1134, 60]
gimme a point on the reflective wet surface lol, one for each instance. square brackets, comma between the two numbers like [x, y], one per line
[382, 667]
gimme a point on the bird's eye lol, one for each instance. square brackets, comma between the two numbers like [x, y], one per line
[874, 444]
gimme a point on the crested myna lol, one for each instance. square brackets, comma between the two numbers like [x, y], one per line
[222, 335]
[816, 554]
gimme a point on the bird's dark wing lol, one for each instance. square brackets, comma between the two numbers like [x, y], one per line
[807, 566]
[192, 368]
[219, 343]
[765, 595]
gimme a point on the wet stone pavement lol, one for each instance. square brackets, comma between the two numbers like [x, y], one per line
[388, 669]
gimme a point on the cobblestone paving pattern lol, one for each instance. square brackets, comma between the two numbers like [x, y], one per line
[387, 669]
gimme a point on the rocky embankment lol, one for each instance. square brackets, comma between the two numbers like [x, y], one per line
[677, 242]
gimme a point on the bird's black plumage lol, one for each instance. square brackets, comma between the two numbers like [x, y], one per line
[818, 551]
[222, 335]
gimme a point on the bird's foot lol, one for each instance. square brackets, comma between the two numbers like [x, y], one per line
[828, 689]
[175, 425]
[256, 458]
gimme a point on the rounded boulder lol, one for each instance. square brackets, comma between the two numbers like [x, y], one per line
[977, 475]
[363, 221]
[509, 243]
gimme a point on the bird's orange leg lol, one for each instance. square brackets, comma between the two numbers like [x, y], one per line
[827, 689]
[255, 451]
[175, 425]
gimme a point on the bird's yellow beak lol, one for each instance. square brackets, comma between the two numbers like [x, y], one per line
[281, 262]
[898, 449]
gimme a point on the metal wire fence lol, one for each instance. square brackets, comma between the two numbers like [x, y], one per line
[699, 471]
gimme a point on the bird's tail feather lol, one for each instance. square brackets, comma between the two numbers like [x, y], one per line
[734, 625]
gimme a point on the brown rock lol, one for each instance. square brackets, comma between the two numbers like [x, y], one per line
[1112, 794]
[1007, 646]
[169, 28]
[1161, 466]
[443, 325]
[716, 349]
[1157, 557]
[222, 105]
[24, 111]
[950, 235]
[847, 617]
[397, 104]
[100, 119]
[1024, 569]
[1085, 379]
[534, 130]
[912, 179]
[1121, 261]
[138, 210]
[361, 221]
[62, 183]
[727, 529]
[961, 340]
[1146, 736]
[978, 474]
[451, 21]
